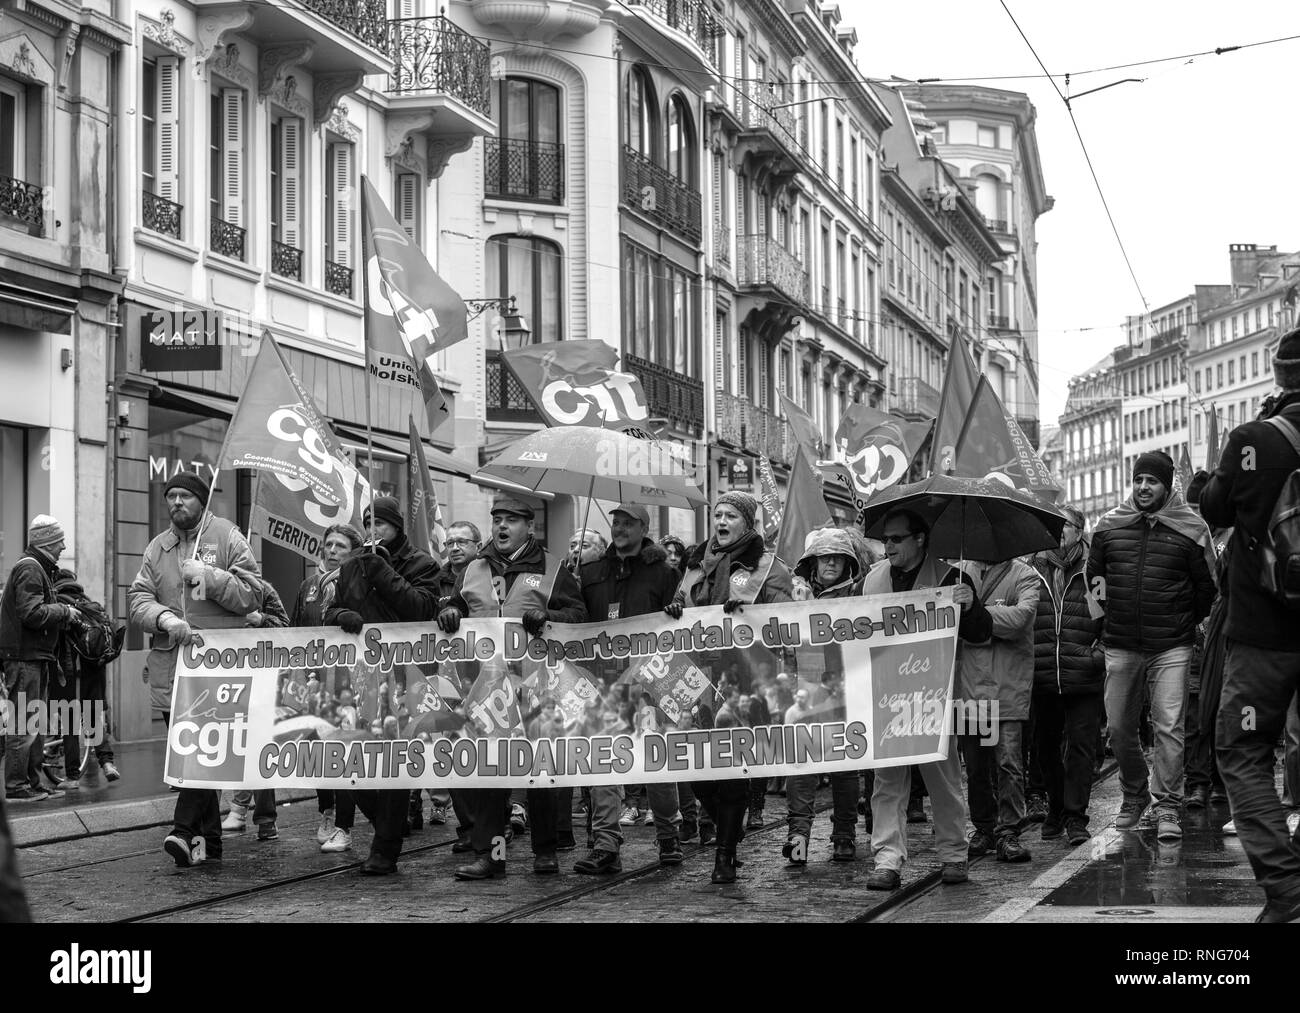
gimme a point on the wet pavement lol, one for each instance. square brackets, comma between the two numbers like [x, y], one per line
[141, 766]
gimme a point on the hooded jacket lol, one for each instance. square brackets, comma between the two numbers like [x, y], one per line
[704, 584]
[400, 589]
[1068, 659]
[31, 616]
[616, 587]
[827, 542]
[1001, 668]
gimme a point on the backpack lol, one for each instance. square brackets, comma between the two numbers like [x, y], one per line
[1280, 546]
[95, 638]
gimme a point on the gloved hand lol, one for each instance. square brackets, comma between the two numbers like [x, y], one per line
[193, 572]
[253, 619]
[534, 621]
[177, 629]
[449, 619]
[350, 621]
[733, 605]
[674, 609]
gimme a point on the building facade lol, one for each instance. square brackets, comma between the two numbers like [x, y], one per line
[1151, 372]
[1089, 462]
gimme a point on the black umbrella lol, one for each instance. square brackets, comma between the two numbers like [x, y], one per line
[971, 518]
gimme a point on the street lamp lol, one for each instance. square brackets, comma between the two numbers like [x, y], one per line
[513, 331]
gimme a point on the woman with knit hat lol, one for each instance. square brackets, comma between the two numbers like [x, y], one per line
[732, 568]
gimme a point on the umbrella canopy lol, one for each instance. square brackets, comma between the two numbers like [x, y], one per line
[971, 518]
[603, 463]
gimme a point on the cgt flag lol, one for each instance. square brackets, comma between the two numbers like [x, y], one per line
[992, 445]
[959, 383]
[878, 447]
[410, 311]
[577, 383]
[426, 528]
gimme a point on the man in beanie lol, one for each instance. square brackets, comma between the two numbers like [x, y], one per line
[31, 622]
[387, 580]
[194, 576]
[1262, 668]
[1150, 568]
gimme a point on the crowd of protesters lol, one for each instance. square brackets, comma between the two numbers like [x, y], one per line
[1154, 630]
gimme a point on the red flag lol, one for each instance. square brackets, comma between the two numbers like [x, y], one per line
[1184, 472]
[806, 433]
[805, 509]
[992, 445]
[577, 383]
[410, 311]
[878, 447]
[770, 499]
[959, 382]
[1212, 441]
[426, 530]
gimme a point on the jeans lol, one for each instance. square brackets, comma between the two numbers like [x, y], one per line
[801, 793]
[198, 814]
[262, 800]
[1264, 681]
[23, 753]
[889, 797]
[995, 780]
[1035, 778]
[1162, 674]
[1065, 744]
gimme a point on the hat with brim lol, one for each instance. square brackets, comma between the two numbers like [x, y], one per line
[511, 505]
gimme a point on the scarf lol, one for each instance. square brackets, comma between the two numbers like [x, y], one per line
[721, 561]
[1173, 514]
[1060, 563]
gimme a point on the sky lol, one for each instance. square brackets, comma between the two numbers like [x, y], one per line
[1197, 156]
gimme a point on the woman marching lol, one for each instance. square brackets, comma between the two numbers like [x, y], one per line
[731, 569]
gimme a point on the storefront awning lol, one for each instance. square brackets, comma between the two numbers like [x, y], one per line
[33, 310]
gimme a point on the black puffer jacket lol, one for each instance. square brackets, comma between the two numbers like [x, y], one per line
[1158, 586]
[1068, 659]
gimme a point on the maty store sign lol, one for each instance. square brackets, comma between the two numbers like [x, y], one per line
[183, 338]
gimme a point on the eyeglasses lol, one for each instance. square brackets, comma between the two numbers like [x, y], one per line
[896, 539]
[458, 541]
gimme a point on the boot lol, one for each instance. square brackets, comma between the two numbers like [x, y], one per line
[724, 867]
[415, 812]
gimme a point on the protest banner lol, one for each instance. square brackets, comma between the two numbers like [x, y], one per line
[406, 706]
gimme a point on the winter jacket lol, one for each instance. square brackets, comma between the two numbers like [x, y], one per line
[827, 542]
[1243, 498]
[975, 625]
[315, 595]
[1002, 667]
[702, 586]
[1158, 585]
[1068, 659]
[400, 589]
[446, 580]
[74, 663]
[158, 589]
[616, 587]
[272, 608]
[32, 619]
[563, 605]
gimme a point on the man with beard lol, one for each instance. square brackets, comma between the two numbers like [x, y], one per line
[385, 581]
[1150, 565]
[194, 576]
[492, 586]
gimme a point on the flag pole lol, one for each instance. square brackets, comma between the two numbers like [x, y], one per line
[368, 245]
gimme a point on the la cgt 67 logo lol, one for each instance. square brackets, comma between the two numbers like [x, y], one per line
[208, 737]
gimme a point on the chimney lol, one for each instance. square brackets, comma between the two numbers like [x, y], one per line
[1245, 259]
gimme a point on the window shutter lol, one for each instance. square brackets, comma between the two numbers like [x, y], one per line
[742, 364]
[783, 374]
[407, 201]
[762, 215]
[168, 114]
[720, 379]
[717, 190]
[232, 156]
[406, 9]
[742, 184]
[763, 356]
[342, 203]
[290, 181]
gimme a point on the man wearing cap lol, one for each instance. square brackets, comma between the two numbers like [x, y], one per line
[1262, 667]
[1150, 568]
[387, 580]
[194, 576]
[491, 585]
[632, 578]
[31, 622]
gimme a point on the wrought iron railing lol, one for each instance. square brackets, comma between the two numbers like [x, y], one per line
[227, 239]
[338, 279]
[661, 196]
[722, 244]
[433, 54]
[729, 418]
[916, 397]
[366, 19]
[161, 215]
[24, 201]
[997, 224]
[999, 321]
[764, 261]
[742, 424]
[286, 261]
[671, 395]
[506, 399]
[692, 17]
[757, 112]
[523, 170]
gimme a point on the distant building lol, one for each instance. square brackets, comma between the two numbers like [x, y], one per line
[1090, 459]
[1151, 373]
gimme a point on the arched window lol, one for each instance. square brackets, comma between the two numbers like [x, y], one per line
[640, 118]
[530, 270]
[526, 160]
[680, 135]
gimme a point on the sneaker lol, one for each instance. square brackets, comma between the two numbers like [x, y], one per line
[629, 817]
[980, 844]
[1076, 832]
[1167, 826]
[755, 821]
[339, 840]
[599, 863]
[955, 872]
[326, 829]
[1293, 823]
[185, 854]
[27, 795]
[518, 819]
[884, 879]
[267, 832]
[110, 770]
[670, 852]
[1230, 828]
[1036, 809]
[236, 820]
[438, 816]
[1011, 850]
[1148, 821]
[1130, 814]
[1053, 827]
[67, 784]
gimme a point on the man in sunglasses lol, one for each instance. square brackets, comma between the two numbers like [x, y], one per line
[908, 566]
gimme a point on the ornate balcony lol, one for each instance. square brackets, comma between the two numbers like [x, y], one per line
[764, 263]
[999, 321]
[997, 224]
[523, 170]
[693, 19]
[729, 419]
[659, 195]
[540, 20]
[917, 398]
[506, 399]
[769, 142]
[227, 240]
[286, 261]
[24, 202]
[338, 279]
[672, 395]
[161, 215]
[746, 426]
